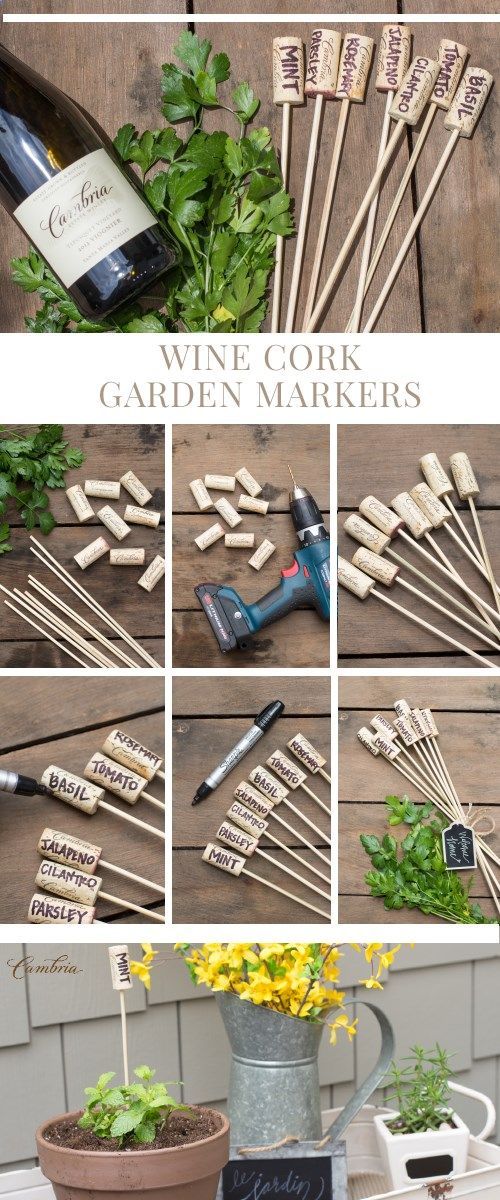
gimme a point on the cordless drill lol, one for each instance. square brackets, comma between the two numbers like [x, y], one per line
[305, 584]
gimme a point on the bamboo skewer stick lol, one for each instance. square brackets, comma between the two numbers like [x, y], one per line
[47, 635]
[303, 861]
[299, 837]
[276, 793]
[442, 591]
[288, 871]
[121, 979]
[484, 551]
[236, 865]
[288, 90]
[66, 608]
[125, 816]
[331, 186]
[370, 223]
[123, 1019]
[54, 624]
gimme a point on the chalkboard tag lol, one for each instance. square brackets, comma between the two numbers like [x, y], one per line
[459, 847]
[294, 1171]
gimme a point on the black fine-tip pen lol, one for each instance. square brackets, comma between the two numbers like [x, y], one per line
[21, 785]
[263, 722]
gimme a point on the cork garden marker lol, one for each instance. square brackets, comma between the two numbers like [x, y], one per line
[71, 883]
[124, 782]
[461, 120]
[269, 786]
[74, 852]
[250, 845]
[122, 980]
[87, 797]
[467, 488]
[130, 753]
[439, 483]
[321, 82]
[286, 769]
[306, 754]
[50, 910]
[235, 864]
[251, 798]
[288, 90]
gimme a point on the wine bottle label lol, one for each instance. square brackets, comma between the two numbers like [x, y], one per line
[83, 214]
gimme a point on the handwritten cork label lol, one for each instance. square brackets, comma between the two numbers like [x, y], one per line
[248, 482]
[247, 820]
[382, 517]
[72, 789]
[393, 58]
[152, 574]
[227, 512]
[364, 533]
[124, 783]
[253, 504]
[436, 477]
[323, 63]
[106, 489]
[135, 488]
[135, 557]
[237, 839]
[366, 738]
[354, 67]
[286, 769]
[142, 516]
[288, 70]
[402, 708]
[91, 553]
[469, 101]
[452, 58]
[269, 786]
[465, 480]
[415, 91]
[418, 723]
[431, 506]
[47, 910]
[459, 847]
[79, 503]
[429, 721]
[406, 731]
[68, 882]
[125, 750]
[113, 521]
[220, 483]
[119, 962]
[352, 579]
[412, 515]
[306, 753]
[251, 799]
[225, 860]
[386, 747]
[209, 536]
[382, 725]
[239, 541]
[66, 848]
[377, 567]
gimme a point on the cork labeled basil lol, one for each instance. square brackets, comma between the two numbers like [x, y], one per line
[469, 101]
[72, 789]
[269, 786]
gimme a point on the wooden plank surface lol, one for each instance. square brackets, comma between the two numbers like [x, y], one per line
[383, 460]
[110, 450]
[69, 724]
[302, 639]
[209, 717]
[468, 719]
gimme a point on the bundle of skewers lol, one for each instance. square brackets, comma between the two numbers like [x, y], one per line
[339, 70]
[414, 517]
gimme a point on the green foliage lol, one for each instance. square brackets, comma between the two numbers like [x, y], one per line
[219, 199]
[413, 874]
[136, 1111]
[31, 463]
[420, 1090]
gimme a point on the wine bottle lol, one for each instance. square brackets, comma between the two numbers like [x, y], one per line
[66, 188]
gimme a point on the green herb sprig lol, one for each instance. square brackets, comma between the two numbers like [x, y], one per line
[420, 1090]
[135, 1111]
[220, 199]
[32, 464]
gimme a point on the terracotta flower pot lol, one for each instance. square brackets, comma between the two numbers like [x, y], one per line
[189, 1172]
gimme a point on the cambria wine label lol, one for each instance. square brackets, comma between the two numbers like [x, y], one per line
[82, 214]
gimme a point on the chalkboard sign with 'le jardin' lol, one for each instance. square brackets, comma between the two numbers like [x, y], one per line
[295, 1170]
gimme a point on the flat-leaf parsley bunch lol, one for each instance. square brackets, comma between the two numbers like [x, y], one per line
[220, 199]
[32, 463]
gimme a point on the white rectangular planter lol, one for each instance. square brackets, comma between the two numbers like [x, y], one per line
[409, 1158]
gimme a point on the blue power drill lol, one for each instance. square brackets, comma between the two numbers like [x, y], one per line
[305, 584]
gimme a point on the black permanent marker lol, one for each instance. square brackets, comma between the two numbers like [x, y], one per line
[21, 785]
[261, 724]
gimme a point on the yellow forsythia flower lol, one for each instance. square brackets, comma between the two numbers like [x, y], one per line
[142, 969]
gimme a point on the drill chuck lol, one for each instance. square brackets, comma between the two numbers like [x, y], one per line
[307, 519]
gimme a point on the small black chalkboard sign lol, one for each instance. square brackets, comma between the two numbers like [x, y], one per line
[298, 1170]
[459, 847]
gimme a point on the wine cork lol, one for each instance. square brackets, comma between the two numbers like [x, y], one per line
[352, 579]
[79, 503]
[122, 781]
[262, 553]
[225, 860]
[152, 574]
[387, 749]
[227, 512]
[248, 482]
[114, 522]
[393, 57]
[286, 769]
[252, 504]
[69, 882]
[220, 483]
[306, 753]
[418, 723]
[72, 789]
[435, 475]
[251, 799]
[382, 725]
[48, 910]
[209, 536]
[365, 533]
[268, 785]
[126, 750]
[365, 736]
[135, 557]
[429, 722]
[431, 506]
[107, 489]
[323, 63]
[411, 514]
[288, 70]
[247, 820]
[381, 516]
[375, 566]
[415, 91]
[135, 488]
[239, 541]
[406, 731]
[354, 67]
[469, 101]
[68, 849]
[119, 962]
[142, 516]
[203, 500]
[452, 58]
[465, 480]
[231, 836]
[91, 553]
[402, 708]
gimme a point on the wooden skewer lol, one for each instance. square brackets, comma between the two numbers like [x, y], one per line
[161, 774]
[123, 1018]
[464, 113]
[324, 225]
[66, 608]
[236, 865]
[153, 800]
[442, 591]
[125, 816]
[55, 625]
[288, 871]
[72, 851]
[299, 836]
[47, 635]
[144, 912]
[34, 604]
[370, 224]
[288, 91]
[121, 979]
[304, 863]
[484, 551]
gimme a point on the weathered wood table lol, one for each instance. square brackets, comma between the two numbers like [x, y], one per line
[383, 460]
[300, 639]
[467, 713]
[110, 451]
[115, 71]
[63, 722]
[209, 717]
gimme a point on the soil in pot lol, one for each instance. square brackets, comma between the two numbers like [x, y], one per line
[180, 1130]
